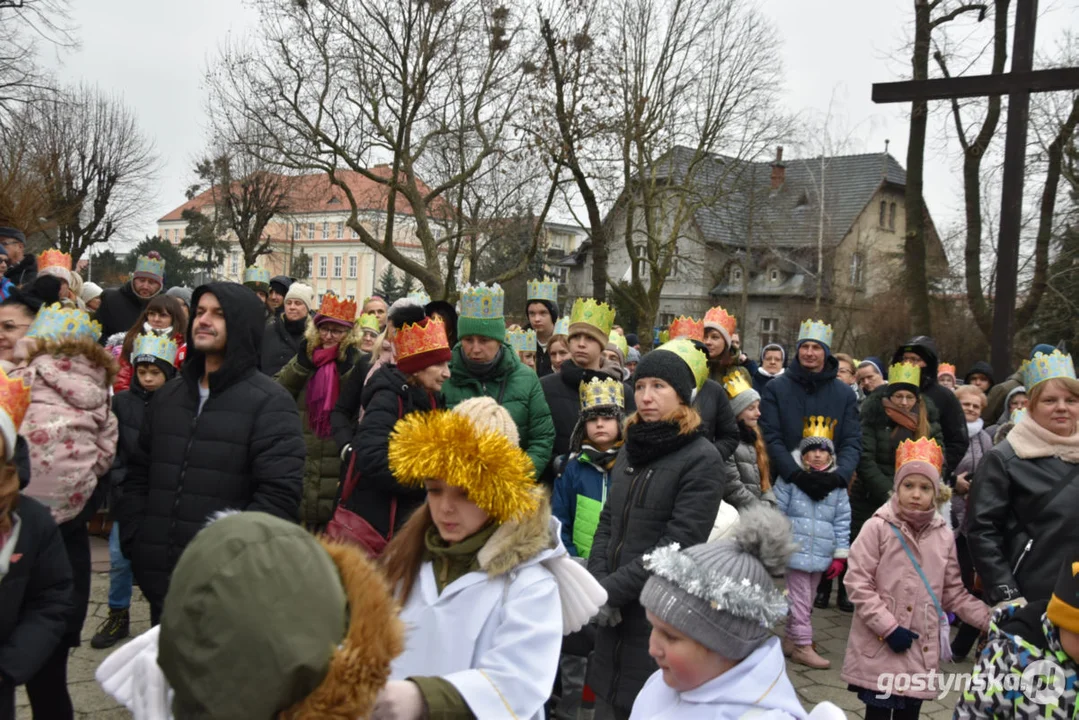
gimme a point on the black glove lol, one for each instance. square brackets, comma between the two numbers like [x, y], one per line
[832, 477]
[901, 639]
[302, 358]
[816, 485]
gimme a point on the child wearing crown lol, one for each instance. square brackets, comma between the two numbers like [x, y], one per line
[820, 517]
[903, 578]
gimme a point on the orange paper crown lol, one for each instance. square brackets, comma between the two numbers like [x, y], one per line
[687, 327]
[720, 318]
[343, 310]
[946, 369]
[14, 398]
[53, 258]
[413, 340]
[920, 450]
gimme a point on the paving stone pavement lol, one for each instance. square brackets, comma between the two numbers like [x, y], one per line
[830, 629]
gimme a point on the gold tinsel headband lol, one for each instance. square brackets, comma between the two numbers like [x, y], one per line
[497, 475]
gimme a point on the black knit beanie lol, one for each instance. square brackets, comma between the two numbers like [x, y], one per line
[671, 369]
[165, 367]
[551, 307]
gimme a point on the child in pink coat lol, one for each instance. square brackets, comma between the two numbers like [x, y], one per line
[898, 628]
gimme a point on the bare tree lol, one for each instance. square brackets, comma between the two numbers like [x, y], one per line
[24, 25]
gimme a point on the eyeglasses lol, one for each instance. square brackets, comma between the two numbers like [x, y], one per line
[332, 331]
[10, 328]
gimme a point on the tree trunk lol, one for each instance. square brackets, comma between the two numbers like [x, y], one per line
[914, 253]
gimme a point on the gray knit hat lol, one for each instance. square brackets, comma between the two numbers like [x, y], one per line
[721, 593]
[743, 400]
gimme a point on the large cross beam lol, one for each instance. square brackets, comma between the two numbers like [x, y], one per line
[1017, 85]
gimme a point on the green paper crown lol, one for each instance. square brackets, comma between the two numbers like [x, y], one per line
[619, 341]
[1044, 367]
[598, 315]
[369, 321]
[691, 356]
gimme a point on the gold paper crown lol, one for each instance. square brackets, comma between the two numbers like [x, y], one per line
[691, 356]
[620, 342]
[343, 310]
[922, 449]
[687, 327]
[597, 314]
[907, 373]
[718, 318]
[945, 369]
[735, 384]
[819, 426]
[53, 258]
[602, 393]
[369, 321]
[14, 398]
[415, 339]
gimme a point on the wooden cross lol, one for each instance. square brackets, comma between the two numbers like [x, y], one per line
[1017, 85]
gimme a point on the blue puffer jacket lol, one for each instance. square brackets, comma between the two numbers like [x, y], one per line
[821, 529]
[581, 477]
[797, 394]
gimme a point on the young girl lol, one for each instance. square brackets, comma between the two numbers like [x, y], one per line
[821, 522]
[479, 568]
[164, 315]
[524, 342]
[903, 578]
[748, 469]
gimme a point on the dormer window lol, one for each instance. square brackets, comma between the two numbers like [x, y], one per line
[803, 200]
[773, 275]
[736, 274]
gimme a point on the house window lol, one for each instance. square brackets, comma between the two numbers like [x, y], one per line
[773, 275]
[769, 331]
[325, 230]
[355, 234]
[736, 274]
[857, 270]
[891, 216]
[352, 261]
[559, 273]
[883, 212]
[296, 231]
[322, 266]
[665, 320]
[337, 266]
[310, 231]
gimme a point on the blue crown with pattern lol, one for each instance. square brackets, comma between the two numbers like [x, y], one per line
[1017, 415]
[522, 340]
[150, 266]
[151, 346]
[255, 274]
[420, 297]
[562, 326]
[56, 322]
[1044, 367]
[482, 302]
[817, 331]
[546, 289]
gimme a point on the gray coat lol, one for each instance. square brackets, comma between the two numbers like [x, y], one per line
[743, 488]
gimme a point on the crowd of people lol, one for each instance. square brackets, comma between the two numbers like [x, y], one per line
[416, 509]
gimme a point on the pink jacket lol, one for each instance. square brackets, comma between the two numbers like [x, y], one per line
[887, 592]
[69, 425]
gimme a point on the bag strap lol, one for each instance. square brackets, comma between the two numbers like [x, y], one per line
[352, 479]
[1047, 499]
[925, 580]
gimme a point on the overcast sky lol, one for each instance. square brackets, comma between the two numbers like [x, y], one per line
[154, 54]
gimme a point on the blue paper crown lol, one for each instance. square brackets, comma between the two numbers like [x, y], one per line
[57, 322]
[150, 266]
[522, 340]
[420, 296]
[543, 290]
[1044, 367]
[817, 331]
[257, 275]
[1017, 415]
[151, 346]
[562, 326]
[482, 302]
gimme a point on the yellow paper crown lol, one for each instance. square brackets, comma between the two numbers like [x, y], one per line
[588, 311]
[920, 450]
[905, 373]
[687, 327]
[14, 399]
[819, 426]
[619, 341]
[53, 259]
[691, 355]
[369, 321]
[602, 393]
[420, 338]
[343, 310]
[735, 384]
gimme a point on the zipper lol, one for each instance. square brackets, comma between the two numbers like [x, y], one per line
[1022, 555]
[625, 521]
[644, 488]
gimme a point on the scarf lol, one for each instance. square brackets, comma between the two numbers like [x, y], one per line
[917, 519]
[646, 441]
[765, 373]
[973, 428]
[481, 371]
[903, 418]
[155, 331]
[600, 459]
[322, 391]
[452, 561]
[294, 328]
[1030, 440]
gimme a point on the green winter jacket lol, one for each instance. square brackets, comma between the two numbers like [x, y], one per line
[322, 468]
[517, 388]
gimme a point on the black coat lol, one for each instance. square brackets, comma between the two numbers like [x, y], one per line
[346, 413]
[718, 423]
[119, 311]
[671, 499]
[129, 407]
[25, 272]
[563, 394]
[387, 397]
[1006, 488]
[244, 451]
[280, 343]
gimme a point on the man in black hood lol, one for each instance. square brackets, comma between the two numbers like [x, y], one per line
[922, 351]
[220, 436]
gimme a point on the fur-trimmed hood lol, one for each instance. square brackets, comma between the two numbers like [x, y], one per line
[81, 370]
[312, 340]
[518, 542]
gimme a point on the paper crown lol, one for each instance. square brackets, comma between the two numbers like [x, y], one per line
[1017, 415]
[413, 340]
[817, 331]
[161, 347]
[255, 274]
[620, 342]
[735, 384]
[819, 426]
[54, 259]
[14, 399]
[691, 356]
[482, 302]
[56, 322]
[588, 311]
[906, 373]
[369, 321]
[420, 297]
[543, 290]
[602, 393]
[920, 450]
[1044, 367]
[944, 369]
[343, 310]
[153, 265]
[718, 318]
[522, 340]
[562, 326]
[687, 327]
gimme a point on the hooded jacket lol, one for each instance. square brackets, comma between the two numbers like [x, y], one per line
[129, 407]
[24, 272]
[244, 450]
[562, 391]
[119, 310]
[983, 368]
[820, 528]
[795, 395]
[953, 424]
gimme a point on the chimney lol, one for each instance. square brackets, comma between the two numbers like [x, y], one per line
[779, 170]
[884, 162]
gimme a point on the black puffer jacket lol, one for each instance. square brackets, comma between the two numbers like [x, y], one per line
[671, 498]
[244, 451]
[718, 423]
[129, 407]
[563, 393]
[387, 397]
[1005, 489]
[25, 272]
[346, 413]
[280, 343]
[953, 424]
[120, 309]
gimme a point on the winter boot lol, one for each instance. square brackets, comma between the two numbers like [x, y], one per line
[116, 627]
[841, 600]
[807, 655]
[824, 593]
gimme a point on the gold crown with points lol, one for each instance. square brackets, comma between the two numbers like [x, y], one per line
[819, 426]
[343, 310]
[905, 373]
[598, 315]
[735, 384]
[602, 393]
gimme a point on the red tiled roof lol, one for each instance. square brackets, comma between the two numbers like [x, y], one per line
[315, 194]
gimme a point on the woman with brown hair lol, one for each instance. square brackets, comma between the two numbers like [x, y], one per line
[163, 315]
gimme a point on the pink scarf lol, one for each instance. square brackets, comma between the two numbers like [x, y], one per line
[322, 392]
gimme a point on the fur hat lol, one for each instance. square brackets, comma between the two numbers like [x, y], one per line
[303, 293]
[721, 593]
[404, 311]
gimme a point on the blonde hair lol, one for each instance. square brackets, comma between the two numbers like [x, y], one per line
[972, 390]
[1070, 385]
